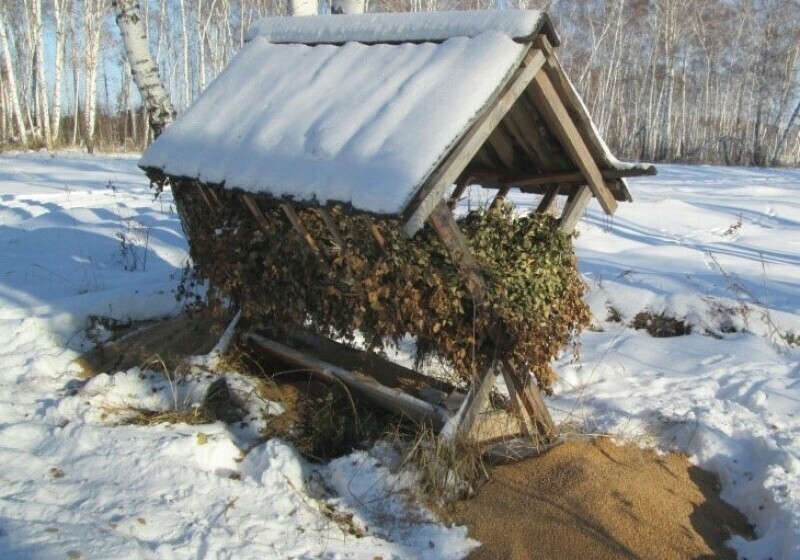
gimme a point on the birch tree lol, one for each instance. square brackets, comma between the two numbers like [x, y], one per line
[59, 12]
[302, 7]
[143, 67]
[348, 6]
[10, 82]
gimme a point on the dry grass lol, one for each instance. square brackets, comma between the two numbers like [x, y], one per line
[447, 469]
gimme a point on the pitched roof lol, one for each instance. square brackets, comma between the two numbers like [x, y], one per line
[522, 25]
[384, 111]
[359, 124]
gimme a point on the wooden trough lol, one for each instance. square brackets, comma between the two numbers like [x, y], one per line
[396, 115]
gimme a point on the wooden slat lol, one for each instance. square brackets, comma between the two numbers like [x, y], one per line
[475, 403]
[532, 401]
[501, 145]
[548, 200]
[559, 121]
[446, 174]
[461, 186]
[496, 425]
[336, 237]
[445, 226]
[392, 399]
[213, 192]
[521, 125]
[256, 211]
[574, 209]
[298, 226]
[499, 197]
[377, 235]
[202, 190]
[523, 180]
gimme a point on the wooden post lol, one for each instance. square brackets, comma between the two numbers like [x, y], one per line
[574, 209]
[548, 200]
[528, 402]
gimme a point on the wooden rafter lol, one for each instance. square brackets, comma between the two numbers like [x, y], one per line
[336, 237]
[256, 211]
[555, 113]
[446, 174]
[301, 230]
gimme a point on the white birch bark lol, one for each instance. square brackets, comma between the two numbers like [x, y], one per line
[11, 83]
[348, 6]
[40, 94]
[59, 9]
[302, 7]
[187, 98]
[143, 67]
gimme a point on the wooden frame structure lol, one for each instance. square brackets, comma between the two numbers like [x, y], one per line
[532, 134]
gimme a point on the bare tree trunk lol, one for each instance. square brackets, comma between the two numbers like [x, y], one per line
[40, 92]
[143, 67]
[348, 6]
[302, 7]
[8, 78]
[59, 7]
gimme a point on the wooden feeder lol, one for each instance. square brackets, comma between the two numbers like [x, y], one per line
[396, 115]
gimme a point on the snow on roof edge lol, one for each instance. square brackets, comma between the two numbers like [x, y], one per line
[403, 27]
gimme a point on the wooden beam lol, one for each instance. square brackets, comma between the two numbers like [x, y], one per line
[475, 403]
[377, 235]
[528, 402]
[523, 180]
[213, 192]
[392, 399]
[298, 226]
[499, 197]
[202, 190]
[442, 221]
[548, 200]
[461, 186]
[256, 211]
[574, 209]
[558, 119]
[450, 169]
[532, 401]
[330, 225]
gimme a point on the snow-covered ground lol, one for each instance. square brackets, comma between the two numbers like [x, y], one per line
[82, 236]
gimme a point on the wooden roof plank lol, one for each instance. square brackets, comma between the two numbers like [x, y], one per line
[557, 117]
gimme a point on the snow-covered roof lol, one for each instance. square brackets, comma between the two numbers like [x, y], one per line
[359, 124]
[364, 109]
[404, 27]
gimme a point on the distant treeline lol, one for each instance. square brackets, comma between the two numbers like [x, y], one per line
[708, 81]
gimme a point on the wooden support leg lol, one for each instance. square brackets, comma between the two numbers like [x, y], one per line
[476, 402]
[532, 401]
[548, 200]
[574, 209]
[528, 402]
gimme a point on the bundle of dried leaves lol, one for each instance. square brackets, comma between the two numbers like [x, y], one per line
[406, 286]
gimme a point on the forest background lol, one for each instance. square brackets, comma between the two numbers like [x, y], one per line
[703, 81]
